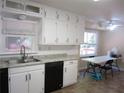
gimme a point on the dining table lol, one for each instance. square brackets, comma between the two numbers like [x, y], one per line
[93, 62]
[98, 59]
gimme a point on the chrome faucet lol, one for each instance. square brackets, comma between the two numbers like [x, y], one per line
[23, 53]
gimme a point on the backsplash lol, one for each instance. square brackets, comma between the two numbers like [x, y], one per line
[69, 49]
[57, 47]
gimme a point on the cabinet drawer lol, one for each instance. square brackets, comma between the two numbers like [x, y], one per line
[70, 62]
[25, 69]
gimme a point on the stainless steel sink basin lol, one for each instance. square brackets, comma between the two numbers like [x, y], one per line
[21, 61]
[27, 60]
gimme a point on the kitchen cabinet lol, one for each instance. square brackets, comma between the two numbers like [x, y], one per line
[72, 18]
[79, 34]
[0, 6]
[14, 5]
[71, 33]
[1, 37]
[28, 79]
[36, 83]
[50, 13]
[62, 32]
[61, 28]
[49, 31]
[70, 72]
[62, 15]
[32, 8]
[19, 83]
[22, 7]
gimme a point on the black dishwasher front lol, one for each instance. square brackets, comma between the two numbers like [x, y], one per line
[53, 76]
[4, 80]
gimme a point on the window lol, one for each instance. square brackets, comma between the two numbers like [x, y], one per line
[88, 48]
[13, 43]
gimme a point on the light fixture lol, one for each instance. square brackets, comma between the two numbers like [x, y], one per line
[112, 27]
[96, 0]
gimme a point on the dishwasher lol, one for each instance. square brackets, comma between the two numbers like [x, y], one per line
[4, 80]
[53, 76]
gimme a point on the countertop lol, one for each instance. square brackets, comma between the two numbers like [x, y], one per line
[43, 60]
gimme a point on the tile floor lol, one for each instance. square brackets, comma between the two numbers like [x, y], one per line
[88, 85]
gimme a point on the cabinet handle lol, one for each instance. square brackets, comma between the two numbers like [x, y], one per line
[57, 15]
[57, 40]
[44, 40]
[76, 40]
[68, 18]
[26, 77]
[43, 72]
[67, 40]
[9, 79]
[29, 76]
[71, 62]
[45, 13]
[65, 69]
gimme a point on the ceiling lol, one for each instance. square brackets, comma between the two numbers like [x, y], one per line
[102, 10]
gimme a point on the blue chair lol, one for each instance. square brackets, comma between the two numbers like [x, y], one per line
[107, 67]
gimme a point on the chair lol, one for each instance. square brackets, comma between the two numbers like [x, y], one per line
[115, 63]
[107, 67]
[90, 66]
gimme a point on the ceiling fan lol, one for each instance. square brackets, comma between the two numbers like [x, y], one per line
[112, 24]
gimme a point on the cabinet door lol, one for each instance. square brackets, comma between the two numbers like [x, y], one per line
[61, 32]
[50, 13]
[36, 81]
[62, 16]
[71, 33]
[19, 83]
[0, 6]
[79, 34]
[72, 18]
[1, 34]
[33, 8]
[49, 31]
[70, 75]
[14, 4]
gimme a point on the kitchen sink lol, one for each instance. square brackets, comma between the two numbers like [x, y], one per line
[21, 61]
[27, 60]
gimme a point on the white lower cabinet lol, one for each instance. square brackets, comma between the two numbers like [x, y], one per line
[28, 79]
[70, 72]
[36, 83]
[18, 83]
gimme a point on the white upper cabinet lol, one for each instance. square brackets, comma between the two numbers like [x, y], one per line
[79, 34]
[61, 32]
[61, 28]
[72, 18]
[50, 13]
[0, 6]
[71, 33]
[62, 16]
[33, 8]
[14, 5]
[75, 30]
[49, 31]
[23, 7]
[79, 30]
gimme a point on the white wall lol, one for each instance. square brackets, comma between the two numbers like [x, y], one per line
[110, 39]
